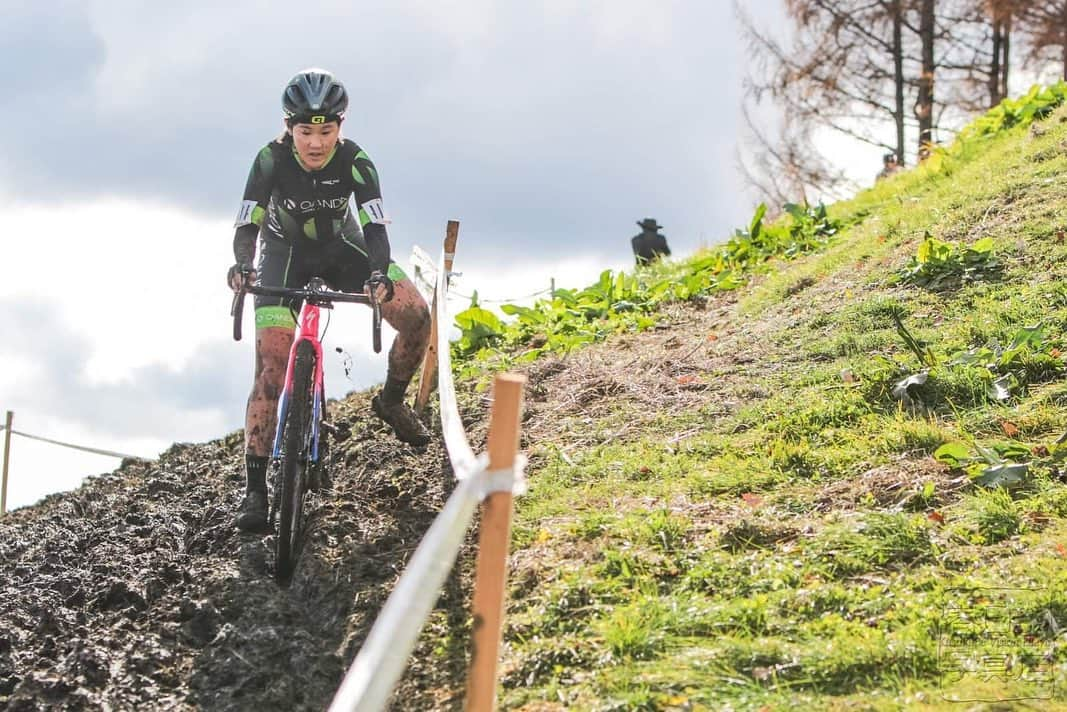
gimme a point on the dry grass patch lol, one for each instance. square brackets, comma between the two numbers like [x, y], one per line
[904, 484]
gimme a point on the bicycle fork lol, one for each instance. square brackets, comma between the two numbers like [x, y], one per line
[307, 330]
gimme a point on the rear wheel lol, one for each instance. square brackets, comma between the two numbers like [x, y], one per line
[293, 469]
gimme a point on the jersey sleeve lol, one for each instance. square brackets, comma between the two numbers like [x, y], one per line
[372, 216]
[257, 190]
[367, 191]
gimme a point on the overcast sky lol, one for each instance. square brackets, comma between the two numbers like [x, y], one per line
[546, 127]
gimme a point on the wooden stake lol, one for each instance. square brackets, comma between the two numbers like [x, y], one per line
[493, 537]
[429, 361]
[7, 455]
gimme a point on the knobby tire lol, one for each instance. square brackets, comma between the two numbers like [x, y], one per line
[293, 472]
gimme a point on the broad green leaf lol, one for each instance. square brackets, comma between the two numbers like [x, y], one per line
[953, 454]
[757, 220]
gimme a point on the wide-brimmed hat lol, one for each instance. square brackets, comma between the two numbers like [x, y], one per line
[649, 224]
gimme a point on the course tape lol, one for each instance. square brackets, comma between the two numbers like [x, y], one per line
[369, 682]
[83, 448]
[464, 463]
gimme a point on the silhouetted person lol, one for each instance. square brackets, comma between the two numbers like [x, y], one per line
[890, 165]
[649, 246]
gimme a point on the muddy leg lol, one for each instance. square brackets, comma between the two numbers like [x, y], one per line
[408, 314]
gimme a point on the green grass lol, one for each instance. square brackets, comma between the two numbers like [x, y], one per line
[802, 548]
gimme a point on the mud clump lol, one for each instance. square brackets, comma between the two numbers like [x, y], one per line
[137, 592]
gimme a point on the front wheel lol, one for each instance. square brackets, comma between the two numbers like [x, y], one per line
[295, 455]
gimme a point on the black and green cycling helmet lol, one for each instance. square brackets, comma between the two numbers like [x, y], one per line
[314, 96]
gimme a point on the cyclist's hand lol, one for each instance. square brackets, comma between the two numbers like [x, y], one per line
[240, 275]
[382, 286]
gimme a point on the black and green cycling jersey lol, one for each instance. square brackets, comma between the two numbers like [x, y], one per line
[290, 203]
[304, 217]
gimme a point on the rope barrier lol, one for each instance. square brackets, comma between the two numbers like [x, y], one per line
[425, 275]
[83, 448]
[510, 300]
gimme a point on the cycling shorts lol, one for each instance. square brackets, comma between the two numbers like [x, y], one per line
[340, 263]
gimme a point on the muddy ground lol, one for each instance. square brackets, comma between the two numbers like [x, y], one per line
[136, 592]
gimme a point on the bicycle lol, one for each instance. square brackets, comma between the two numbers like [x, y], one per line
[298, 454]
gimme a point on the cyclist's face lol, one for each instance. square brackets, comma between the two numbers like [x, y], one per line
[315, 142]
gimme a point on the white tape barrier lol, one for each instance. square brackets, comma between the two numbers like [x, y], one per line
[459, 449]
[374, 673]
[381, 661]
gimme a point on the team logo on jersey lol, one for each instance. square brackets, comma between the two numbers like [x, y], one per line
[335, 181]
[307, 205]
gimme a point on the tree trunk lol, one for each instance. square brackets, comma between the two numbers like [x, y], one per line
[898, 77]
[924, 107]
[1005, 62]
[994, 68]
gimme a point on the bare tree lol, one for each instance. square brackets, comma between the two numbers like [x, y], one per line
[896, 20]
[1001, 15]
[783, 167]
[975, 63]
[924, 104]
[843, 71]
[1043, 24]
[859, 67]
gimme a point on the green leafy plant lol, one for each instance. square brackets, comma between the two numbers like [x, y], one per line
[989, 373]
[480, 327]
[1010, 367]
[665, 529]
[635, 631]
[621, 302]
[938, 264]
[1037, 103]
[995, 516]
[992, 467]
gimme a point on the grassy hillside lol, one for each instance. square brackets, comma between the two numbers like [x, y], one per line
[818, 468]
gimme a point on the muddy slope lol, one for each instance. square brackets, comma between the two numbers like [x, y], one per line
[136, 591]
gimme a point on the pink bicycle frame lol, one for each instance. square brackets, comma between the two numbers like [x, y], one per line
[307, 329]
